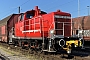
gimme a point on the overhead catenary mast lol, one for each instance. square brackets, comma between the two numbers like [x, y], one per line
[78, 8]
[88, 10]
[78, 15]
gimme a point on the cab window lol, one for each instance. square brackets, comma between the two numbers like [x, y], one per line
[22, 17]
[29, 16]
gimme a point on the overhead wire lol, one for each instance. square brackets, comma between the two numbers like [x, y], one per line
[25, 2]
[10, 11]
[45, 5]
[81, 9]
[49, 3]
[60, 5]
[71, 5]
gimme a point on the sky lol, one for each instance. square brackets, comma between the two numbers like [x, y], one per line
[8, 7]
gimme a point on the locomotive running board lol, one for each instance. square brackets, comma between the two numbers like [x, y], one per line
[48, 51]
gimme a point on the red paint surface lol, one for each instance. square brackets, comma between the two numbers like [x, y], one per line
[43, 22]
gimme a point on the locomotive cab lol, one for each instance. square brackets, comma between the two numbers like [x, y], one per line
[27, 15]
[31, 14]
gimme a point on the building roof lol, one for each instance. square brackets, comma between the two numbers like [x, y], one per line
[4, 21]
[81, 22]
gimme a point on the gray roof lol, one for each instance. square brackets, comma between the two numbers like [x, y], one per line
[83, 21]
[4, 21]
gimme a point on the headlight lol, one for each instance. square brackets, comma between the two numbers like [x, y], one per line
[52, 31]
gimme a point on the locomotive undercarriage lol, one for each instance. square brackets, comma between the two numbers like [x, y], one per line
[63, 44]
[36, 45]
[66, 44]
[28, 43]
[69, 43]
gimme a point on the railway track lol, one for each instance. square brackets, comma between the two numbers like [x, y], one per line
[76, 55]
[2, 57]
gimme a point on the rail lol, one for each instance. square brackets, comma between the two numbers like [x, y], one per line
[3, 57]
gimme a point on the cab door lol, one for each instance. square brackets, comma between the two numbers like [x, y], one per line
[19, 27]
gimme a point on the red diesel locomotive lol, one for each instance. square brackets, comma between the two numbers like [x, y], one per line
[48, 32]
